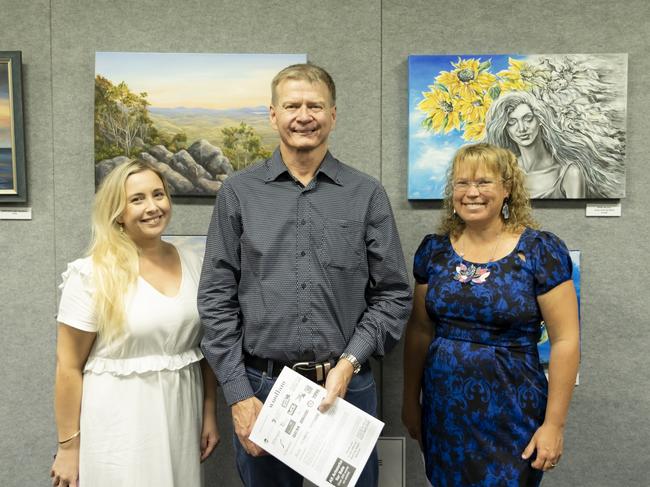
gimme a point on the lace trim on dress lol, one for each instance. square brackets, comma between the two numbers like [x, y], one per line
[82, 267]
[141, 365]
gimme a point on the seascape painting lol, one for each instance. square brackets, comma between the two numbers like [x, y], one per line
[13, 186]
[196, 117]
[6, 159]
[562, 115]
[544, 345]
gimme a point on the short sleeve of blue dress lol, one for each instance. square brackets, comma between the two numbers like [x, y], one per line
[423, 261]
[551, 262]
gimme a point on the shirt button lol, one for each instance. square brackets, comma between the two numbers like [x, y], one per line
[304, 285]
[302, 253]
[304, 319]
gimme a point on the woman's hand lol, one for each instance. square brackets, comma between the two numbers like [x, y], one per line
[412, 419]
[209, 435]
[548, 442]
[65, 469]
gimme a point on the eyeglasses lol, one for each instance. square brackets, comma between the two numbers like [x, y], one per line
[483, 185]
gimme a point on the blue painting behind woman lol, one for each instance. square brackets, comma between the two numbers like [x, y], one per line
[544, 345]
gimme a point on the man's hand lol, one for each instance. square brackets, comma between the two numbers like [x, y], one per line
[336, 384]
[244, 415]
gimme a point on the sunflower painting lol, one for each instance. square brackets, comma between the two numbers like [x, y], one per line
[562, 115]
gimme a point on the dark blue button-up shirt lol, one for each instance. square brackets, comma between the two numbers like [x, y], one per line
[295, 272]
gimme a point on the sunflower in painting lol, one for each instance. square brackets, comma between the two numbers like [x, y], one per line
[460, 98]
[441, 109]
[470, 78]
[520, 75]
[475, 108]
[474, 131]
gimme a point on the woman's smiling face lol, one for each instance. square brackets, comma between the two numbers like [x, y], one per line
[478, 194]
[148, 208]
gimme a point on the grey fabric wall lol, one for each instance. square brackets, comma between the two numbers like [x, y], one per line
[365, 46]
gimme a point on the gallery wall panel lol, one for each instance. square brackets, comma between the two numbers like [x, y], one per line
[28, 290]
[341, 36]
[612, 306]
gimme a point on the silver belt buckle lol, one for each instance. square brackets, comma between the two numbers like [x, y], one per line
[299, 364]
[321, 368]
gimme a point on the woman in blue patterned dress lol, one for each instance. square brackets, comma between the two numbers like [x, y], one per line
[475, 396]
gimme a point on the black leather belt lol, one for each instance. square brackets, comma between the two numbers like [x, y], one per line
[314, 371]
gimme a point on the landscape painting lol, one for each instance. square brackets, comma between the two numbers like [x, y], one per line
[196, 117]
[562, 115]
[12, 156]
[193, 243]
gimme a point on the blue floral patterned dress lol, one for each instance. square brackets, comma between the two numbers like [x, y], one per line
[484, 391]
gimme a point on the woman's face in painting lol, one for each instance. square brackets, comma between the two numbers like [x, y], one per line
[522, 125]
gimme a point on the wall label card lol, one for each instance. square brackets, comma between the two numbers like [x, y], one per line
[15, 213]
[603, 209]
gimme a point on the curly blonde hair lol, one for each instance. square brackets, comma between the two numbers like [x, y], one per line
[501, 162]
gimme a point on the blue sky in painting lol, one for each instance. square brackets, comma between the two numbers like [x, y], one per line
[218, 81]
[429, 153]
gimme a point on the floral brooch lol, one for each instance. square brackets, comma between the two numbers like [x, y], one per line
[474, 274]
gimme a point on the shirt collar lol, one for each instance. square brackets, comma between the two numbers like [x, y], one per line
[330, 167]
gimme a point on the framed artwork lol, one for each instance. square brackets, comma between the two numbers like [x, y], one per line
[562, 115]
[197, 117]
[13, 187]
[544, 344]
[195, 243]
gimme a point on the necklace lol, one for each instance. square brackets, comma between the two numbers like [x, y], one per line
[473, 273]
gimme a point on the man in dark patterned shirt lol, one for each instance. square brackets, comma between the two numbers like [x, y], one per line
[303, 268]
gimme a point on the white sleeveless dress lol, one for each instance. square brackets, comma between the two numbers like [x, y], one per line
[142, 403]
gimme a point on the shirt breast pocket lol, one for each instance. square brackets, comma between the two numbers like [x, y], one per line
[344, 244]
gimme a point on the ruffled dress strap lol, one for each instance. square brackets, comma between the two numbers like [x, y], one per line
[80, 268]
[76, 308]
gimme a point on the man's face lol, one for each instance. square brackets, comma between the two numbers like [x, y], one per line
[303, 115]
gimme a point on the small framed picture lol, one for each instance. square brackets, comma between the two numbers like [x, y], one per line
[13, 187]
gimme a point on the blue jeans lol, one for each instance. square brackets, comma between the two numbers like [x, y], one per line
[266, 471]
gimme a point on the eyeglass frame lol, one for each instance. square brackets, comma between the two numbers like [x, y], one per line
[491, 184]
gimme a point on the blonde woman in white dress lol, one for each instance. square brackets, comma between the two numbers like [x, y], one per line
[134, 399]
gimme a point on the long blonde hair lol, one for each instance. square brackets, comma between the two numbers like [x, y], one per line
[504, 164]
[114, 254]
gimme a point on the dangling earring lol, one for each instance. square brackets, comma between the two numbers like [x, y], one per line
[121, 227]
[505, 210]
